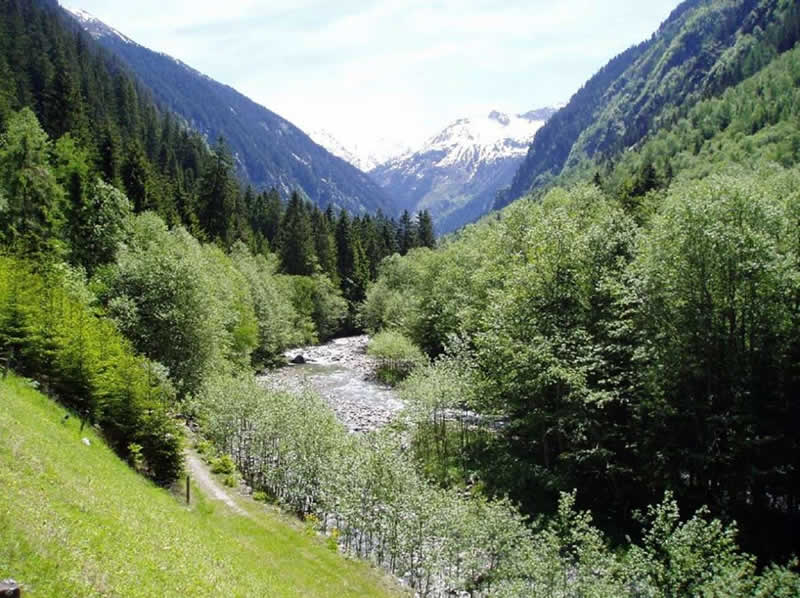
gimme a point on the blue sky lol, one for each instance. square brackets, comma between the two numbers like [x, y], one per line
[400, 69]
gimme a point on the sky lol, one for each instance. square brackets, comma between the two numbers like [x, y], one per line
[397, 70]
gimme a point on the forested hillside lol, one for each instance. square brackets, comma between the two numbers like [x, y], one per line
[270, 151]
[114, 214]
[703, 47]
[637, 337]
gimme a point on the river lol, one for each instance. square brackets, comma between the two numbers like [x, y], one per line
[342, 373]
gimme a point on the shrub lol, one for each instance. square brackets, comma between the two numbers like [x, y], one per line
[223, 464]
[203, 446]
[397, 356]
[261, 496]
[317, 300]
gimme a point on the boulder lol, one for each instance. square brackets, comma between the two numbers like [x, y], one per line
[299, 360]
[9, 589]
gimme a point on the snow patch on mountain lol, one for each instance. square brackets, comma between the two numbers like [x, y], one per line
[478, 140]
[94, 26]
[362, 156]
[457, 173]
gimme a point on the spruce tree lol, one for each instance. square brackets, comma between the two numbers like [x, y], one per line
[406, 233]
[295, 240]
[217, 195]
[425, 235]
[32, 196]
[353, 270]
[324, 243]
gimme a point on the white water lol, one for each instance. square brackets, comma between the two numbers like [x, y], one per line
[342, 373]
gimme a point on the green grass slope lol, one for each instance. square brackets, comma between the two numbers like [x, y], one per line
[77, 521]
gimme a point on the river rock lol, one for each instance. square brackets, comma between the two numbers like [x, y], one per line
[299, 360]
[9, 589]
[341, 373]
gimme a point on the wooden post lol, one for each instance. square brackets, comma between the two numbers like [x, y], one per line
[188, 489]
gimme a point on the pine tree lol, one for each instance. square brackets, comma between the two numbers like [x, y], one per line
[388, 234]
[34, 211]
[353, 270]
[406, 234]
[425, 235]
[324, 243]
[136, 178]
[273, 214]
[295, 240]
[217, 195]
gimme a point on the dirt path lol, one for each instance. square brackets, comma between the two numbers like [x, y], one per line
[203, 479]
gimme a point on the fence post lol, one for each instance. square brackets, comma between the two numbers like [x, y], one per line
[188, 489]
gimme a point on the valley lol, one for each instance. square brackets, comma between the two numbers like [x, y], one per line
[549, 352]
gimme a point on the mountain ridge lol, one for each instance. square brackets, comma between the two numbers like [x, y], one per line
[702, 48]
[365, 159]
[270, 151]
[456, 173]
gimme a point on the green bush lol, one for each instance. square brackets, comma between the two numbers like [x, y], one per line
[261, 496]
[223, 464]
[397, 356]
[317, 301]
[203, 447]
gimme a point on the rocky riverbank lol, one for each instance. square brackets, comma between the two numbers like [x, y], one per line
[343, 374]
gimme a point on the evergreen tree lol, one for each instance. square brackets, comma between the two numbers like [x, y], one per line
[217, 195]
[406, 233]
[273, 214]
[324, 243]
[353, 269]
[388, 234]
[295, 240]
[109, 154]
[137, 179]
[425, 235]
[33, 198]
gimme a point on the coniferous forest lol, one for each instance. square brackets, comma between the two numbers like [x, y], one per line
[601, 378]
[117, 209]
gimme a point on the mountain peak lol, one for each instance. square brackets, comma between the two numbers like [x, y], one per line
[94, 26]
[541, 113]
[500, 117]
[364, 158]
[456, 173]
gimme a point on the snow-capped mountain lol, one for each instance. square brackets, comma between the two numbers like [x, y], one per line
[94, 26]
[269, 150]
[364, 158]
[456, 174]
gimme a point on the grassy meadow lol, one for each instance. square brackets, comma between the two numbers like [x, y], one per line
[75, 520]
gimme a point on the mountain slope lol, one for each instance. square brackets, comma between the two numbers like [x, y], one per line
[269, 150]
[456, 174]
[77, 521]
[364, 158]
[704, 47]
